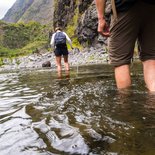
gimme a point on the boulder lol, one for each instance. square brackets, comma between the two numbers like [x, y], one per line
[46, 64]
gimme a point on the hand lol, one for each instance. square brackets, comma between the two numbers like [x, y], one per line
[103, 29]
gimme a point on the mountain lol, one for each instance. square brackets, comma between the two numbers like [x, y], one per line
[17, 10]
[40, 11]
[31, 10]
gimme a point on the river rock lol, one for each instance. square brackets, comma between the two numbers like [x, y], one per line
[46, 64]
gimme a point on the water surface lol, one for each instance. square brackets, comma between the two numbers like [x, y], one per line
[78, 113]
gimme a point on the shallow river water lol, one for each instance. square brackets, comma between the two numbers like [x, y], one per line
[80, 113]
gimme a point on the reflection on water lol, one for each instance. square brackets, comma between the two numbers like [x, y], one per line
[79, 112]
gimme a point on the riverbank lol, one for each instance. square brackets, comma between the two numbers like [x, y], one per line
[39, 60]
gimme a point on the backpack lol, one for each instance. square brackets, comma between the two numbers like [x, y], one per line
[60, 38]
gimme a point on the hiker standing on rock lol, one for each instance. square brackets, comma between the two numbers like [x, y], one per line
[131, 20]
[58, 41]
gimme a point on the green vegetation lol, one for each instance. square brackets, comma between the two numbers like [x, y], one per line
[19, 35]
[20, 38]
[71, 28]
[1, 61]
[31, 47]
[7, 52]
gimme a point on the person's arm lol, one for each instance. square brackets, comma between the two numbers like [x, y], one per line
[102, 26]
[69, 40]
[52, 40]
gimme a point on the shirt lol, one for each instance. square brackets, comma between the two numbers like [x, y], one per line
[124, 5]
[149, 1]
[52, 39]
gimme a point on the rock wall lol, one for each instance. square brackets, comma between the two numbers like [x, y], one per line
[87, 26]
[64, 12]
[88, 22]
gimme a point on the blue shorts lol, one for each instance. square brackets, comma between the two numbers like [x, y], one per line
[61, 50]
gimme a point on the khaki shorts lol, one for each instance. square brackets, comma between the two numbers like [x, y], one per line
[138, 23]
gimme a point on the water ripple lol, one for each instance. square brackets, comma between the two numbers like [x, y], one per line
[84, 114]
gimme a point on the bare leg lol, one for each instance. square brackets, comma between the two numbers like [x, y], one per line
[59, 74]
[122, 76]
[67, 74]
[66, 62]
[149, 74]
[58, 63]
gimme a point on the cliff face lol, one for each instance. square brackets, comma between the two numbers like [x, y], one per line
[87, 26]
[77, 17]
[64, 12]
[82, 15]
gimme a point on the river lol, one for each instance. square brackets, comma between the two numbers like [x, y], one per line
[79, 113]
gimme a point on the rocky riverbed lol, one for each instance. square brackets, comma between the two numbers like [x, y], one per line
[42, 59]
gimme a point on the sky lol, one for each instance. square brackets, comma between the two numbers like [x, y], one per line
[5, 5]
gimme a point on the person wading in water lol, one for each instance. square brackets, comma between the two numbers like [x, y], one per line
[131, 20]
[58, 41]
